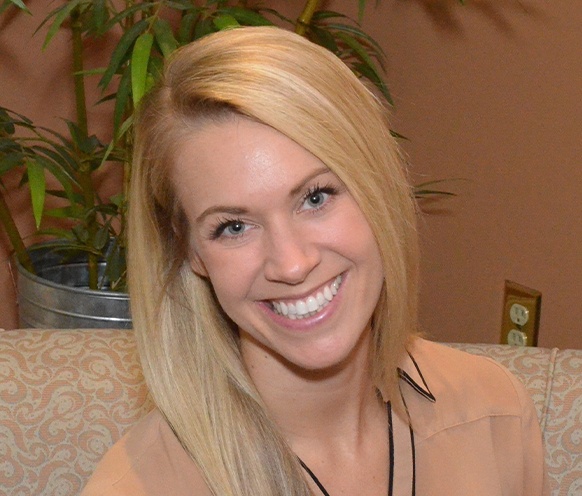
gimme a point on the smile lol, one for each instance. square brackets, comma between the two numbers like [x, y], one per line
[307, 307]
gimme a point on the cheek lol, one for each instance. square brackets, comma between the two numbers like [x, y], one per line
[231, 273]
[354, 236]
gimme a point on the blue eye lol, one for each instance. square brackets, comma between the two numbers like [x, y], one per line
[235, 228]
[317, 197]
[230, 228]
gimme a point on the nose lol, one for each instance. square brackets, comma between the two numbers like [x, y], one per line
[290, 256]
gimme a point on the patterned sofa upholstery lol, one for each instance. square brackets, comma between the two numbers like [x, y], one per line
[67, 395]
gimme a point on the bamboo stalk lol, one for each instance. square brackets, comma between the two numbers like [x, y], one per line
[14, 236]
[304, 19]
[79, 78]
[85, 178]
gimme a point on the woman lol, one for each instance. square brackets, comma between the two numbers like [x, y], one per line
[273, 272]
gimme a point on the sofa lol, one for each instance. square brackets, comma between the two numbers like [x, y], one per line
[67, 395]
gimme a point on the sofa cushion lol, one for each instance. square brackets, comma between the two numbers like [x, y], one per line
[532, 366]
[563, 429]
[554, 379]
[65, 397]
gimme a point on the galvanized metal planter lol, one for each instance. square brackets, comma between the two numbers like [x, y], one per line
[58, 297]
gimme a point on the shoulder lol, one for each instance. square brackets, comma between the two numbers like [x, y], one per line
[148, 460]
[478, 425]
[466, 387]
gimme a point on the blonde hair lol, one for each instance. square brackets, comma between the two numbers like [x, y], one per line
[188, 346]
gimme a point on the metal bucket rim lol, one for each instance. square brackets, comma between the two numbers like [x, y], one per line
[116, 295]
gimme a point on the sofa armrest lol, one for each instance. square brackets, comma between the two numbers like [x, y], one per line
[554, 379]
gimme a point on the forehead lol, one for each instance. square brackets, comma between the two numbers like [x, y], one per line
[238, 161]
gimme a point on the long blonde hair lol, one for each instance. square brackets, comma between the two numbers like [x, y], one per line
[188, 346]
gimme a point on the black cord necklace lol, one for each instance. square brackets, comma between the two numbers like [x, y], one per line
[390, 460]
[314, 478]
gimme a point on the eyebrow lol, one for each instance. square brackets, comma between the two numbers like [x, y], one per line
[229, 209]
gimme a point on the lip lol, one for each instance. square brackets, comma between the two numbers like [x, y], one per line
[306, 322]
[292, 298]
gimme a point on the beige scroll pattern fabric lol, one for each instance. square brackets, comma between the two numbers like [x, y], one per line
[563, 432]
[554, 380]
[65, 397]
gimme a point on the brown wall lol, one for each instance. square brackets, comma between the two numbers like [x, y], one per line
[492, 93]
[489, 93]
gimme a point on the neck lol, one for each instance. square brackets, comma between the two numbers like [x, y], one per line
[333, 406]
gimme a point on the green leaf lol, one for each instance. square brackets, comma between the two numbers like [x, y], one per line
[372, 75]
[84, 143]
[98, 71]
[6, 122]
[107, 210]
[203, 27]
[70, 212]
[10, 161]
[61, 15]
[186, 26]
[155, 71]
[361, 9]
[324, 38]
[129, 12]
[8, 112]
[245, 16]
[276, 14]
[77, 197]
[124, 128]
[425, 189]
[321, 15]
[121, 99]
[178, 5]
[16, 3]
[420, 193]
[37, 184]
[81, 233]
[121, 51]
[165, 37]
[361, 53]
[115, 268]
[396, 135]
[99, 17]
[9, 144]
[117, 199]
[139, 65]
[65, 180]
[223, 22]
[361, 37]
[101, 238]
[60, 156]
[56, 233]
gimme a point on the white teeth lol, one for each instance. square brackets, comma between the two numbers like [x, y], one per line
[301, 307]
[310, 306]
[327, 293]
[284, 308]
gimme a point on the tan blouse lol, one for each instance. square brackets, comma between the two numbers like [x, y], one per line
[473, 430]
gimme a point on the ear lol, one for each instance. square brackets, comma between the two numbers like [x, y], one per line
[197, 264]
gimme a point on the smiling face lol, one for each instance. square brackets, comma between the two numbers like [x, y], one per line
[289, 254]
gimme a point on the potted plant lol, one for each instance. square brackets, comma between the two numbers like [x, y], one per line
[89, 239]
